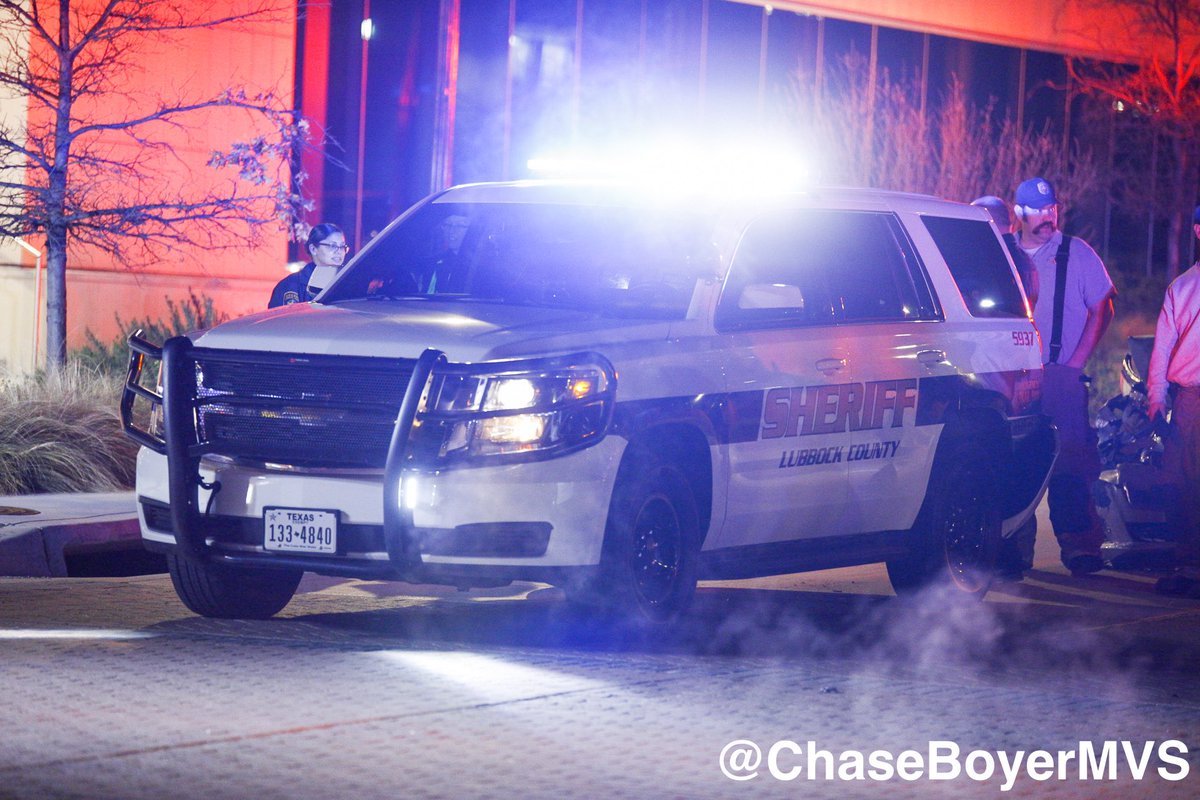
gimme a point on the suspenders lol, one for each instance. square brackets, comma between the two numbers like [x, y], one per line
[1060, 291]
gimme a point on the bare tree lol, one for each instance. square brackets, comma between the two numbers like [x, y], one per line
[1163, 88]
[954, 148]
[90, 167]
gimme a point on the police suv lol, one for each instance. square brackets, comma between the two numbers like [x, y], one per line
[613, 390]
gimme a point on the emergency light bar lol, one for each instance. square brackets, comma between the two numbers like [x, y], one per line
[744, 167]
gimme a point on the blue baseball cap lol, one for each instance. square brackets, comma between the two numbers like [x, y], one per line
[1196, 216]
[1036, 193]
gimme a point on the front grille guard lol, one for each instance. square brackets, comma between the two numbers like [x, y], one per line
[183, 448]
[139, 351]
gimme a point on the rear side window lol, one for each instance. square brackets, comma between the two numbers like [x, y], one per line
[810, 267]
[979, 265]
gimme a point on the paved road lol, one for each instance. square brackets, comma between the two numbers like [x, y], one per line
[375, 690]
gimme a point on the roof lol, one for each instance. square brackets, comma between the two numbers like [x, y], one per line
[634, 193]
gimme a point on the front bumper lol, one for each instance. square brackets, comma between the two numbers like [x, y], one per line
[509, 522]
[401, 518]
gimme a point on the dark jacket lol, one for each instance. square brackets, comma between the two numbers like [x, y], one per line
[293, 288]
[1021, 260]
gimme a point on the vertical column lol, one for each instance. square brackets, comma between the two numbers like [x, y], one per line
[1108, 171]
[643, 28]
[643, 93]
[1068, 102]
[506, 164]
[872, 75]
[577, 73]
[1022, 66]
[312, 94]
[819, 69]
[365, 30]
[924, 75]
[447, 95]
[763, 40]
[1150, 206]
[703, 55]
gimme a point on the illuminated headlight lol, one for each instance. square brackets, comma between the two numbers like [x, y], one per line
[506, 394]
[517, 429]
[155, 426]
[521, 411]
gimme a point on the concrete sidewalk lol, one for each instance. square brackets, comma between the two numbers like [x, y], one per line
[38, 531]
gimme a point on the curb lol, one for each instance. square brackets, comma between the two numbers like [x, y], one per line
[41, 530]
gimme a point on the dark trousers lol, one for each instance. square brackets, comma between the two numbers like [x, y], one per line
[1181, 462]
[1072, 511]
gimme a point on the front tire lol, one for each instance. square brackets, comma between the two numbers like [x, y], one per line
[652, 543]
[225, 592]
[956, 538]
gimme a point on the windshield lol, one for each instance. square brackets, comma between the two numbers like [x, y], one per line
[607, 260]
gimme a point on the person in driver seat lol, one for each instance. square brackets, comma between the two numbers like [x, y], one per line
[446, 272]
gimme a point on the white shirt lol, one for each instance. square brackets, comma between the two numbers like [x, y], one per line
[1088, 284]
[1176, 356]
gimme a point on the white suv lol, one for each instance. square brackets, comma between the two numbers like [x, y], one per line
[614, 390]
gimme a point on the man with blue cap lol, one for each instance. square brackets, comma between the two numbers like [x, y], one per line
[1074, 308]
[1175, 372]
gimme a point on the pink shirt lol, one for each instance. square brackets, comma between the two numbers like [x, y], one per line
[1176, 356]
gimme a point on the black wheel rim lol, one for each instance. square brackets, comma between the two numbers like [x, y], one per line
[965, 534]
[657, 551]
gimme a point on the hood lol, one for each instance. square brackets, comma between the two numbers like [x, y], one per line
[465, 331]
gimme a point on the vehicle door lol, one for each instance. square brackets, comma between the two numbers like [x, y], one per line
[895, 340]
[776, 322]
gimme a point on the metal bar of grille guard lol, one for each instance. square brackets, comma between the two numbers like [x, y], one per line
[397, 520]
[183, 464]
[139, 350]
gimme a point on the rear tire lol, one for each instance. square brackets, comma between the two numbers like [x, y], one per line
[652, 544]
[225, 592]
[956, 537]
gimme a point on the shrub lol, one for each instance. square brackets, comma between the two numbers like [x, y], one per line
[193, 313]
[61, 432]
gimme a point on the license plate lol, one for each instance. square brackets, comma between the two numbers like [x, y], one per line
[300, 530]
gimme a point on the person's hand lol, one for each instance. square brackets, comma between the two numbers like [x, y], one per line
[1157, 409]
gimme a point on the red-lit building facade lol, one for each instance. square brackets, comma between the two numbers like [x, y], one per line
[453, 91]
[195, 64]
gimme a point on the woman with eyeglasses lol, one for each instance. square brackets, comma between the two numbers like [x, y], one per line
[326, 245]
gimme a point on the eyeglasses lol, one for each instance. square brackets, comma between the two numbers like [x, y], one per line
[334, 246]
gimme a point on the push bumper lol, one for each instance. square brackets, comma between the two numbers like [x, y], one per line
[181, 446]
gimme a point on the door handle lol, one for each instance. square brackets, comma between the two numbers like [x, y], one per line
[931, 357]
[828, 365]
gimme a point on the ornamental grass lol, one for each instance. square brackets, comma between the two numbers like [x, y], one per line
[61, 432]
